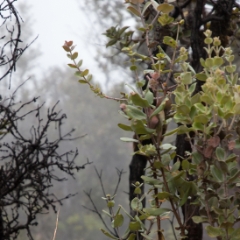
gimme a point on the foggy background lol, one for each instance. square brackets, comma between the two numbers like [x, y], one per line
[44, 68]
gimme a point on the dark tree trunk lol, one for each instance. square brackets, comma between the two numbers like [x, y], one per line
[1, 225]
[195, 231]
[137, 166]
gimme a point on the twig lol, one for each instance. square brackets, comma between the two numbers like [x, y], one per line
[55, 231]
[120, 173]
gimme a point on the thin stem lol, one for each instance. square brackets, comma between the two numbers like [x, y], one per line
[174, 54]
[175, 212]
[232, 122]
[91, 86]
[172, 225]
[147, 33]
[207, 206]
[157, 206]
[55, 231]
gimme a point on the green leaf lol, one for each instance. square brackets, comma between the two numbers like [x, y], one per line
[163, 195]
[186, 78]
[139, 220]
[198, 126]
[185, 194]
[176, 166]
[235, 234]
[236, 108]
[136, 204]
[134, 226]
[167, 146]
[169, 41]
[135, 113]
[125, 127]
[82, 81]
[146, 6]
[223, 166]
[72, 65]
[138, 100]
[231, 69]
[191, 68]
[79, 64]
[149, 96]
[118, 220]
[200, 107]
[234, 177]
[150, 180]
[201, 76]
[197, 158]
[202, 62]
[169, 133]
[183, 129]
[140, 128]
[78, 73]
[165, 19]
[201, 118]
[207, 98]
[156, 211]
[231, 158]
[84, 73]
[235, 79]
[89, 77]
[154, 4]
[177, 178]
[165, 8]
[108, 234]
[185, 164]
[214, 231]
[183, 109]
[133, 68]
[126, 139]
[198, 219]
[148, 150]
[218, 61]
[132, 236]
[74, 56]
[123, 30]
[134, 11]
[159, 108]
[111, 42]
[220, 153]
[192, 88]
[217, 173]
[209, 62]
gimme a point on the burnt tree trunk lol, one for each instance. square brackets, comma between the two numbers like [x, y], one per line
[195, 231]
[137, 166]
[1, 225]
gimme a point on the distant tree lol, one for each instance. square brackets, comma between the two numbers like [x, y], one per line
[11, 43]
[103, 137]
[29, 165]
[30, 160]
[101, 16]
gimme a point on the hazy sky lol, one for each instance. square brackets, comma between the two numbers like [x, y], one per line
[56, 21]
